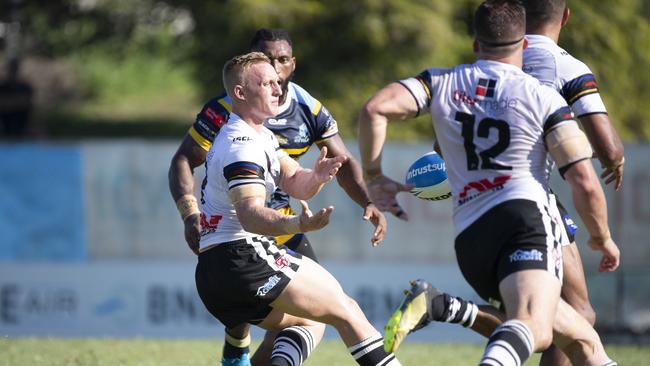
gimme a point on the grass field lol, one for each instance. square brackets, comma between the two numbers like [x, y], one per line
[141, 352]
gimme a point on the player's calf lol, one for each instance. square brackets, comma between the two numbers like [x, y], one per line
[292, 346]
[510, 345]
[236, 351]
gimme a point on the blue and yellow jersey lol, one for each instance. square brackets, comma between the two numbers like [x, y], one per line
[301, 122]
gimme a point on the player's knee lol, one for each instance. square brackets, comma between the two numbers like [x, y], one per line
[346, 313]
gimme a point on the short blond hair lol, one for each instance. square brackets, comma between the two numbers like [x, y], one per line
[235, 69]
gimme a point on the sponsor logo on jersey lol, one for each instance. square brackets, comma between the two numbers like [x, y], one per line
[570, 224]
[425, 169]
[526, 255]
[209, 224]
[277, 122]
[242, 138]
[216, 118]
[485, 88]
[268, 286]
[461, 96]
[282, 261]
[482, 186]
[303, 135]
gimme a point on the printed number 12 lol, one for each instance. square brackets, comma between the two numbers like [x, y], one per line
[467, 120]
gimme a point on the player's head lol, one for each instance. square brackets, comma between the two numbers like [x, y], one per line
[252, 84]
[499, 27]
[277, 46]
[541, 13]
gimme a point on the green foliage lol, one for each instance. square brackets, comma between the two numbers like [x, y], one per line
[346, 50]
[612, 37]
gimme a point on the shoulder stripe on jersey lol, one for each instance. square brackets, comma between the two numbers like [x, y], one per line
[303, 97]
[200, 140]
[224, 103]
[425, 79]
[579, 87]
[316, 108]
[561, 115]
[242, 171]
[294, 153]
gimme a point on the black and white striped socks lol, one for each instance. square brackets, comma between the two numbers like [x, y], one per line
[510, 345]
[370, 352]
[292, 346]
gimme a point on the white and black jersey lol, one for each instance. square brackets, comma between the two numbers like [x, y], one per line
[555, 67]
[490, 119]
[239, 156]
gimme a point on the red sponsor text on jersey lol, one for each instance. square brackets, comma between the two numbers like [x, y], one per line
[210, 224]
[282, 261]
[484, 185]
[215, 117]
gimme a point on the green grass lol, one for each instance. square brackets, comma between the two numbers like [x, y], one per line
[141, 352]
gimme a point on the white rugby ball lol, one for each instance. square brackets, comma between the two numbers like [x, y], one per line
[429, 176]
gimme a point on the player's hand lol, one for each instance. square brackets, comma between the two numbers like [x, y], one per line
[611, 254]
[371, 213]
[326, 168]
[614, 174]
[193, 232]
[310, 221]
[383, 192]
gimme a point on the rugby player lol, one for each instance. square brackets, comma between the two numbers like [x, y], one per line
[241, 275]
[302, 121]
[553, 66]
[506, 219]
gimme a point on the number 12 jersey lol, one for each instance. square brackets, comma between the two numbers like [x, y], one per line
[490, 119]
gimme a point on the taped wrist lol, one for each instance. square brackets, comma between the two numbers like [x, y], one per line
[187, 206]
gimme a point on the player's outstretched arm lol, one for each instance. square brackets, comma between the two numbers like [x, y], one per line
[304, 183]
[392, 103]
[249, 201]
[608, 146]
[350, 179]
[181, 186]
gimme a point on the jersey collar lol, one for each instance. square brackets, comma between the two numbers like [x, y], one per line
[497, 64]
[538, 38]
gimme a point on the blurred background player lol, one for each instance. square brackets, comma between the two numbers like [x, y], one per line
[485, 142]
[241, 275]
[553, 66]
[301, 122]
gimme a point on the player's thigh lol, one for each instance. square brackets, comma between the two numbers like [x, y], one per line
[315, 294]
[574, 286]
[531, 294]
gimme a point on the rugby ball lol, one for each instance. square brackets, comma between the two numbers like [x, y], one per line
[429, 176]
